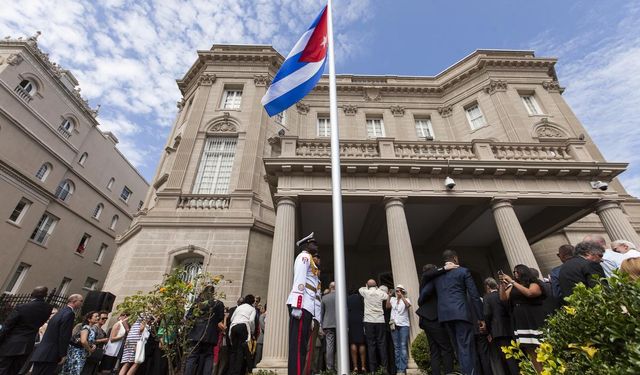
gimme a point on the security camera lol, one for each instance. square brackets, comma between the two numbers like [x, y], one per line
[449, 183]
[599, 185]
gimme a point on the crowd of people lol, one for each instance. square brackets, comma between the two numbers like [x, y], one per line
[460, 325]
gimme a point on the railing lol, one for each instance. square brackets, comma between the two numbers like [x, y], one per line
[434, 151]
[203, 202]
[531, 152]
[65, 133]
[481, 150]
[23, 94]
[322, 148]
[8, 302]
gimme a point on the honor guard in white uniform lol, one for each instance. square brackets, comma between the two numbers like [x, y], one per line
[302, 303]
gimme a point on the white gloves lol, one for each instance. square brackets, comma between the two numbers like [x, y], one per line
[296, 313]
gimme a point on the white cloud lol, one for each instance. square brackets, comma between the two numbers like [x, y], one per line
[127, 54]
[601, 70]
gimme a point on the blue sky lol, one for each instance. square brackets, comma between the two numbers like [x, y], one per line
[127, 54]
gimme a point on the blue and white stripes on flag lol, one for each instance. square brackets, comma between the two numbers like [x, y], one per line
[301, 70]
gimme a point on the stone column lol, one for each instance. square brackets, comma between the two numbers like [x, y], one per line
[280, 278]
[403, 264]
[616, 222]
[515, 243]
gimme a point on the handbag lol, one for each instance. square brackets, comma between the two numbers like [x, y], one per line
[139, 357]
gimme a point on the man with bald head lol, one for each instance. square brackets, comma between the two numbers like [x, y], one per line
[375, 330]
[610, 259]
[52, 349]
[18, 334]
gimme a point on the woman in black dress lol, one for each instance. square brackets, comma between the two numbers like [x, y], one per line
[525, 295]
[355, 306]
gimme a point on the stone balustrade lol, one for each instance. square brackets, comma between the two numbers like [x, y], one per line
[204, 202]
[388, 148]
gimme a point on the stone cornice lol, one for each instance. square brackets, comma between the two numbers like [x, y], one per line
[55, 71]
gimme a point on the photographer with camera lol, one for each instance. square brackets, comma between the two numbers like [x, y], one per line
[399, 325]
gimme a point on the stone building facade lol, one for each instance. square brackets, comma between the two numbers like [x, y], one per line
[235, 188]
[66, 190]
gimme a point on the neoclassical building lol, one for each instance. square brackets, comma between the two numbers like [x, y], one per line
[235, 188]
[66, 189]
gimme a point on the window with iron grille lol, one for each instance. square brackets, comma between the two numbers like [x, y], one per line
[216, 162]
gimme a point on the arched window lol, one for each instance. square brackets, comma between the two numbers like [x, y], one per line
[114, 221]
[83, 158]
[110, 184]
[192, 268]
[28, 86]
[64, 190]
[43, 172]
[98, 210]
[66, 127]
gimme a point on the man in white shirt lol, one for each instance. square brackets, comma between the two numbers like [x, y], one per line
[374, 326]
[625, 249]
[242, 326]
[610, 259]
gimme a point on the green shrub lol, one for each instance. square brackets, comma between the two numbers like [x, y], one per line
[420, 353]
[597, 332]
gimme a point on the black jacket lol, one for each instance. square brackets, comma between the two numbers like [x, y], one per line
[55, 342]
[18, 334]
[428, 302]
[496, 315]
[578, 270]
[205, 328]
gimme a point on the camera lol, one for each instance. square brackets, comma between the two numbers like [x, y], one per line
[601, 185]
[449, 183]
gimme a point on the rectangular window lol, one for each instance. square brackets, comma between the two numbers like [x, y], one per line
[90, 284]
[531, 104]
[324, 127]
[475, 117]
[101, 252]
[375, 128]
[126, 193]
[20, 210]
[216, 162]
[232, 99]
[82, 245]
[44, 228]
[424, 129]
[63, 288]
[17, 278]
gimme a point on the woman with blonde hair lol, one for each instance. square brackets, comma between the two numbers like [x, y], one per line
[631, 267]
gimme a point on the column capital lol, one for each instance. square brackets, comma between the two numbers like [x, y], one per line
[281, 200]
[394, 201]
[499, 202]
[606, 204]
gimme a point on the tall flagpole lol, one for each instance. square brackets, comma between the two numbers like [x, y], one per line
[336, 200]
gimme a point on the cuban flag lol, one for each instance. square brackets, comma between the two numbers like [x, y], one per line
[301, 70]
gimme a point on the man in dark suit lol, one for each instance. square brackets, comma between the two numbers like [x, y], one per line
[456, 291]
[18, 334]
[204, 333]
[440, 347]
[52, 349]
[498, 322]
[581, 268]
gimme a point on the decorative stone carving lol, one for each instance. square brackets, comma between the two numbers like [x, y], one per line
[350, 110]
[552, 86]
[546, 129]
[223, 125]
[207, 79]
[15, 59]
[397, 111]
[495, 85]
[372, 94]
[445, 111]
[302, 108]
[261, 80]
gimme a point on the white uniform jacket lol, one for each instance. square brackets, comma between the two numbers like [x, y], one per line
[303, 293]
